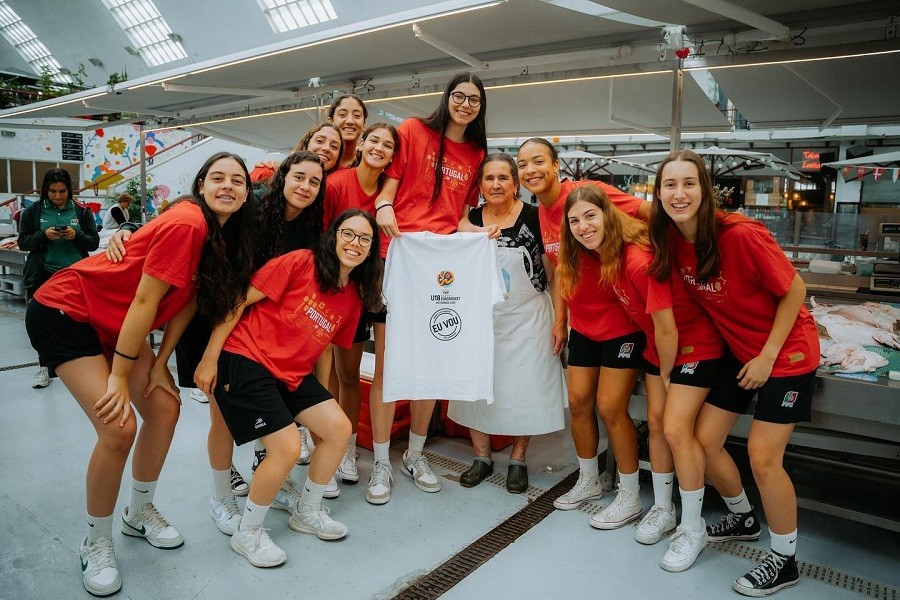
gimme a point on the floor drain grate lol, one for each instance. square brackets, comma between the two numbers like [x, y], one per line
[840, 579]
[456, 467]
[14, 367]
[459, 566]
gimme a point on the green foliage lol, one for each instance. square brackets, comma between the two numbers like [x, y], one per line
[133, 187]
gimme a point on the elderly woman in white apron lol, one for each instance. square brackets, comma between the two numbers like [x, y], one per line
[529, 388]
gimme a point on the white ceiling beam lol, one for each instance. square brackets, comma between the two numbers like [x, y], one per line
[741, 14]
[449, 49]
[227, 91]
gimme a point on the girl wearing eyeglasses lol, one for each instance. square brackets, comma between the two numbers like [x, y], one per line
[263, 380]
[430, 185]
[357, 188]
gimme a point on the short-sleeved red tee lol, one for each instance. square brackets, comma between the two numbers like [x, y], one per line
[287, 331]
[343, 192]
[551, 219]
[413, 167]
[594, 310]
[742, 301]
[642, 295]
[98, 292]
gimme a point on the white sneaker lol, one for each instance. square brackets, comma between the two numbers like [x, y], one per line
[656, 523]
[421, 472]
[41, 379]
[306, 447]
[586, 488]
[287, 497]
[624, 509]
[318, 522]
[226, 514]
[151, 526]
[99, 570]
[379, 486]
[256, 545]
[685, 546]
[332, 488]
[199, 396]
[347, 470]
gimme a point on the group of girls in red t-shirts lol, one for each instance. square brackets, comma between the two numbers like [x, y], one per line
[704, 303]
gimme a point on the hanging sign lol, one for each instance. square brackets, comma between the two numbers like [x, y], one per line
[811, 161]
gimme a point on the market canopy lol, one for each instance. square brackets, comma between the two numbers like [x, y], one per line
[876, 165]
[724, 162]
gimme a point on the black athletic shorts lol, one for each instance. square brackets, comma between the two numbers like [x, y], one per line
[376, 317]
[190, 348]
[625, 352]
[254, 403]
[362, 329]
[57, 338]
[779, 400]
[698, 374]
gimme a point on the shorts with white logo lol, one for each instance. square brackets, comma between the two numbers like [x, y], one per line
[625, 352]
[779, 400]
[698, 374]
[255, 404]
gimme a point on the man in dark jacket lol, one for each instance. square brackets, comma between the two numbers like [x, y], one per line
[56, 232]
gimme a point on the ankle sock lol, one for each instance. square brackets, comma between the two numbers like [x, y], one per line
[312, 494]
[382, 451]
[739, 504]
[416, 445]
[784, 544]
[630, 481]
[486, 460]
[662, 489]
[589, 467]
[517, 462]
[691, 509]
[99, 527]
[141, 493]
[254, 515]
[222, 483]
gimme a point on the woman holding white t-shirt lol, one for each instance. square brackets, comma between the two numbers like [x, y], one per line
[430, 185]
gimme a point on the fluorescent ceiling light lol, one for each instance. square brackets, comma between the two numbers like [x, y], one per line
[288, 15]
[147, 30]
[29, 47]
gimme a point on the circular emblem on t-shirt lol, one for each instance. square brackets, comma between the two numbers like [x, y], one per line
[445, 278]
[445, 324]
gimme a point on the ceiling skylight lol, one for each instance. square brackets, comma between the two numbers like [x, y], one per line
[24, 40]
[287, 15]
[149, 34]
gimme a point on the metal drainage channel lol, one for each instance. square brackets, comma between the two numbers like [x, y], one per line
[14, 367]
[458, 567]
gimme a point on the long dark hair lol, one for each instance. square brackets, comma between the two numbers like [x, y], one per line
[365, 134]
[271, 221]
[366, 276]
[307, 137]
[706, 246]
[56, 175]
[476, 131]
[226, 260]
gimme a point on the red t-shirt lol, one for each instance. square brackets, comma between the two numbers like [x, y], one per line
[413, 167]
[594, 310]
[642, 295]
[743, 299]
[551, 219]
[343, 192]
[287, 331]
[261, 174]
[99, 292]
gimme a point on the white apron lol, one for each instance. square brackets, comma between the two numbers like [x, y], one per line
[529, 387]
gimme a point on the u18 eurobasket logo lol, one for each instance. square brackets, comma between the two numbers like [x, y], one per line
[789, 399]
[626, 349]
[445, 278]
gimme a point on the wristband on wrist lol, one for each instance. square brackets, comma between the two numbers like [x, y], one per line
[377, 208]
[123, 355]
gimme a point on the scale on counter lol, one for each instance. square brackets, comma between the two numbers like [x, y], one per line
[886, 273]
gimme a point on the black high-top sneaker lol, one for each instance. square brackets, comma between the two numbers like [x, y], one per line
[735, 526]
[774, 573]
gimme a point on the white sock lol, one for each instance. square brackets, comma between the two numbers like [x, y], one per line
[589, 467]
[382, 451]
[99, 527]
[352, 443]
[691, 509]
[416, 445]
[662, 489]
[784, 544]
[630, 481]
[141, 493]
[222, 483]
[739, 504]
[258, 446]
[254, 515]
[312, 494]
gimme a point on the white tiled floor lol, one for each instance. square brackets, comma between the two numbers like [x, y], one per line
[44, 446]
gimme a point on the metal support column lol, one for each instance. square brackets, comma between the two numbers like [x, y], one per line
[143, 176]
[677, 107]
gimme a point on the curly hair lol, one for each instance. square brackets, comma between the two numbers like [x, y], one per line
[226, 260]
[706, 244]
[367, 275]
[476, 131]
[618, 230]
[272, 206]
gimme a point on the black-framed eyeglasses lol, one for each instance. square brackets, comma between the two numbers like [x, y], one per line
[459, 98]
[348, 235]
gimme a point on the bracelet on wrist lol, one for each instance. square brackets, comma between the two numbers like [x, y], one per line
[123, 355]
[377, 208]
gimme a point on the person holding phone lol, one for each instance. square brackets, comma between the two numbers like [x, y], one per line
[56, 232]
